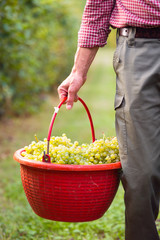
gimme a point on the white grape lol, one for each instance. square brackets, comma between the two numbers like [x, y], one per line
[63, 151]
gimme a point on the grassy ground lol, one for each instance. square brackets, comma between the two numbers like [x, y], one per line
[17, 220]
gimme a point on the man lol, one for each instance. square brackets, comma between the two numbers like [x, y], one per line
[137, 101]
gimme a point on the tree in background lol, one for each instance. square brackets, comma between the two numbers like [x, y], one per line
[37, 42]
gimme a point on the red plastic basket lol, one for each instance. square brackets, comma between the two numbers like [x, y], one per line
[68, 193]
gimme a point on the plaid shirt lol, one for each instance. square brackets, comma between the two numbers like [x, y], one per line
[98, 15]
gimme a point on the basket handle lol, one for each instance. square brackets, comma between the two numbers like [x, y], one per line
[46, 157]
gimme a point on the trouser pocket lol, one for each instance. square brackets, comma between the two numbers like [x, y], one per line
[120, 123]
[116, 55]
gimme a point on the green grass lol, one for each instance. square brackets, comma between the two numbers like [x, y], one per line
[17, 220]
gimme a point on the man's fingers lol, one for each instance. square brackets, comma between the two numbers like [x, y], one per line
[69, 89]
[71, 98]
[62, 92]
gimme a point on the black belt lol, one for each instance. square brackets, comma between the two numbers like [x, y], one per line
[141, 32]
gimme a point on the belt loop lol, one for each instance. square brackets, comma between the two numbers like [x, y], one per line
[131, 36]
[117, 36]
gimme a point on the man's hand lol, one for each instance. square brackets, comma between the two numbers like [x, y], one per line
[69, 88]
[71, 85]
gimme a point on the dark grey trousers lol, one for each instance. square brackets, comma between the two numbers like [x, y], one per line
[137, 103]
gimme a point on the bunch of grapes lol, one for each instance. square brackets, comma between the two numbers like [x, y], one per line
[63, 151]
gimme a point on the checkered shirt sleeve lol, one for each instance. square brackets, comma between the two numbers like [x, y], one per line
[94, 28]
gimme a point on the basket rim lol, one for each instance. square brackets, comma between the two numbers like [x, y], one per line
[63, 167]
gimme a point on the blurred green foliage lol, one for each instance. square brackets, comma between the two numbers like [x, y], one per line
[37, 41]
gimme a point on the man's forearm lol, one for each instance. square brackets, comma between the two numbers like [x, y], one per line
[71, 85]
[83, 60]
